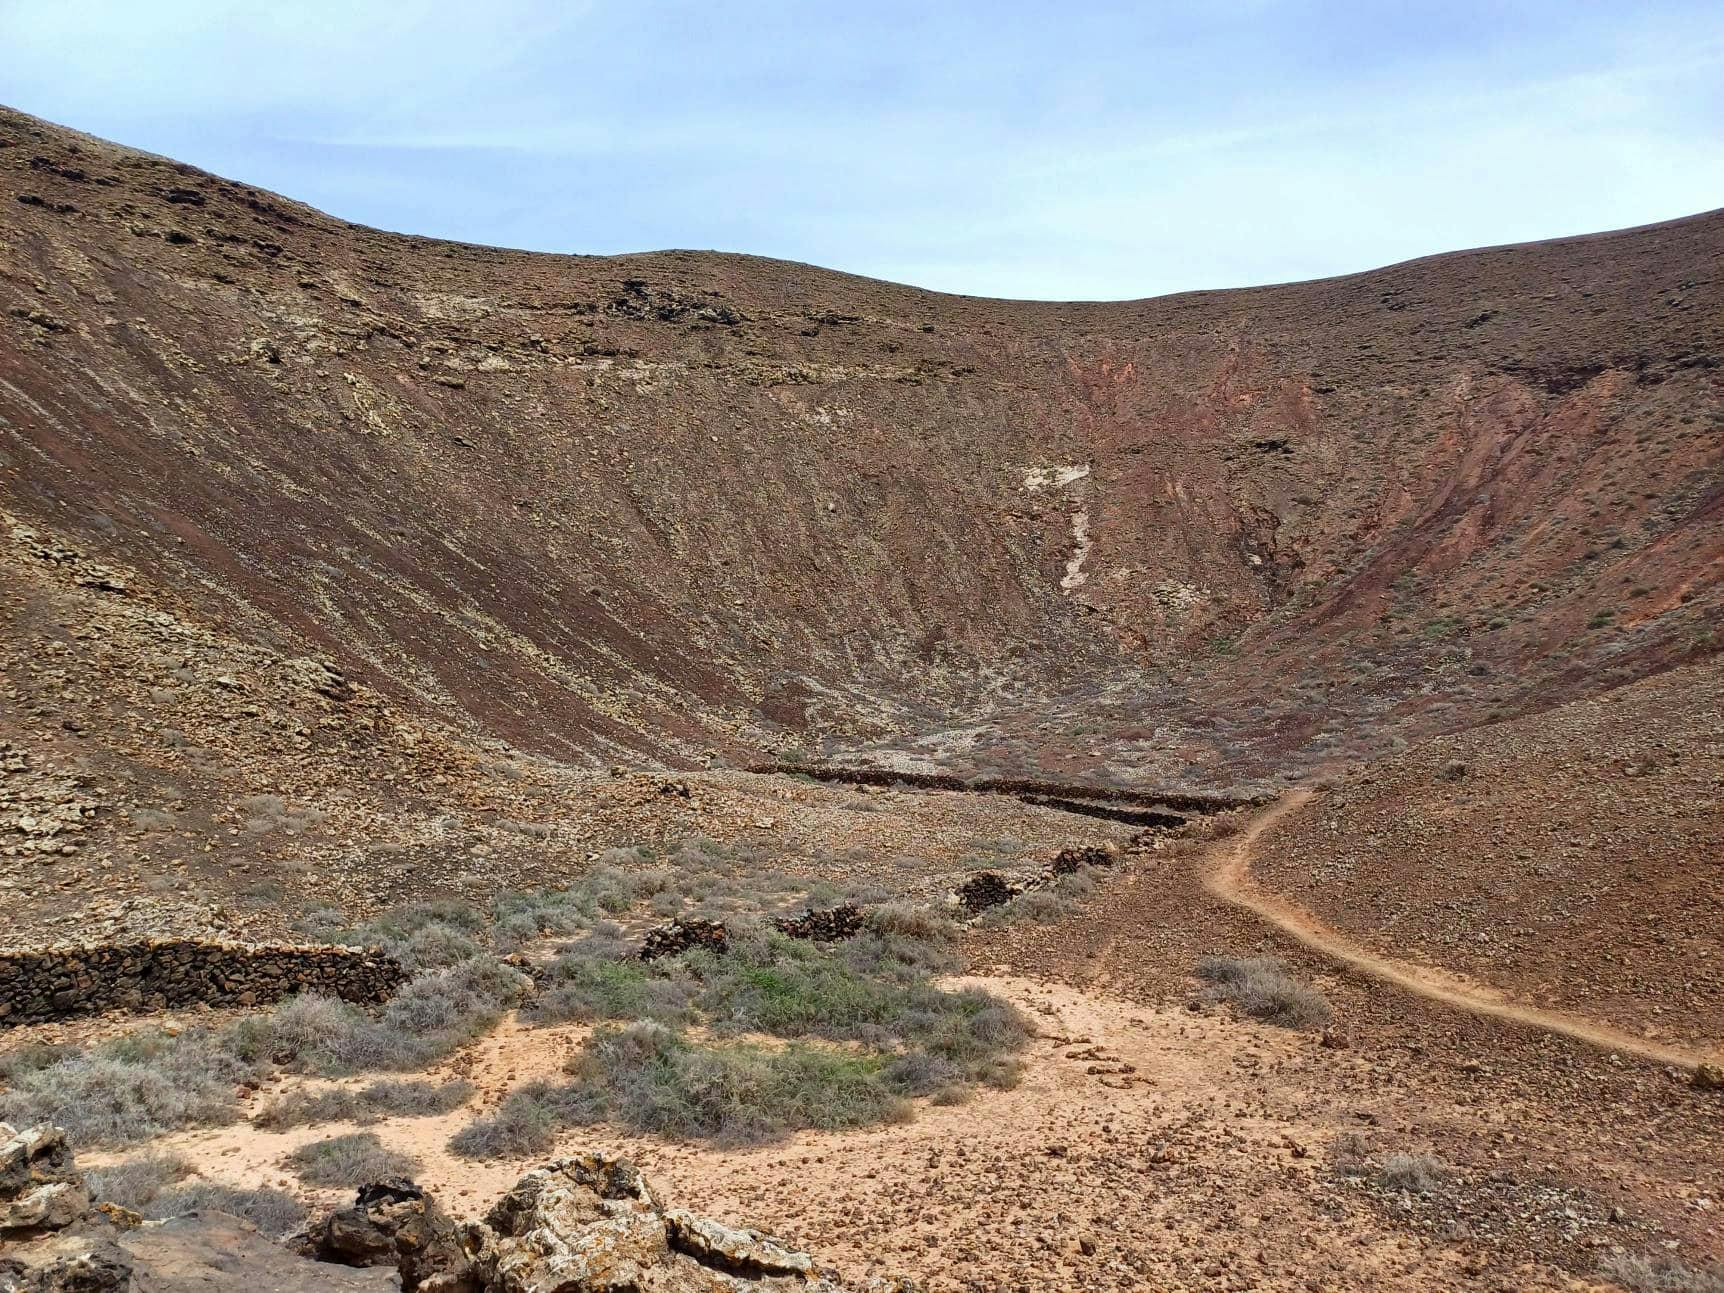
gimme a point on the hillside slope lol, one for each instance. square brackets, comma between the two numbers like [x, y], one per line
[681, 504]
[1574, 859]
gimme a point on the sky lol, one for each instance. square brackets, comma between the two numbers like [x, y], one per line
[1056, 150]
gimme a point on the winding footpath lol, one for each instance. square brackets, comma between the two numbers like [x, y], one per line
[1230, 880]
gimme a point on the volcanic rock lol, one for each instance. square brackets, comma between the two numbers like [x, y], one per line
[39, 1189]
[395, 1223]
[683, 935]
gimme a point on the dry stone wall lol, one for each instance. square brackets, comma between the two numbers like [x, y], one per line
[59, 982]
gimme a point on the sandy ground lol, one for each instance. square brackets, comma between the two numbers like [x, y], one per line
[1144, 1148]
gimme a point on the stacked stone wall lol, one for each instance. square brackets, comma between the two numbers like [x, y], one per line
[42, 984]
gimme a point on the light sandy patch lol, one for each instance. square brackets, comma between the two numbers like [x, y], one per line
[1037, 479]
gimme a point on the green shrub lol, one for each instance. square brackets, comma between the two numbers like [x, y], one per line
[648, 1078]
[872, 992]
[587, 990]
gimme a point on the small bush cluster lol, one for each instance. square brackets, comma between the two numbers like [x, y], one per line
[434, 1014]
[863, 1027]
[1660, 1274]
[871, 992]
[1216, 826]
[649, 1078]
[379, 1100]
[132, 1088]
[349, 1161]
[1411, 1173]
[1262, 988]
[264, 813]
[586, 989]
[135, 1182]
[148, 1083]
[162, 1186]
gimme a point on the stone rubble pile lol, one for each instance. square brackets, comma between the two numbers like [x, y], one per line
[1066, 861]
[684, 935]
[822, 925]
[983, 890]
[988, 889]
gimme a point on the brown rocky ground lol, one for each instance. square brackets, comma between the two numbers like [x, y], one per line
[1575, 858]
[346, 568]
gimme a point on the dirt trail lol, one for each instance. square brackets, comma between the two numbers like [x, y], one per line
[1230, 880]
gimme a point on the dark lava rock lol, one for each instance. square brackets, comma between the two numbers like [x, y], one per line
[823, 926]
[983, 890]
[683, 935]
[394, 1223]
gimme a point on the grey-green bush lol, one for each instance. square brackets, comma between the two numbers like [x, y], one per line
[1661, 1274]
[1411, 1173]
[1262, 988]
[133, 1183]
[400, 1099]
[352, 1160]
[132, 1089]
[273, 1212]
[649, 1078]
[162, 1186]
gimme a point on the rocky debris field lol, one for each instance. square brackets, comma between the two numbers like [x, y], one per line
[583, 1224]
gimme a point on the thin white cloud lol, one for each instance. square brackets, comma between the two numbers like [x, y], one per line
[1107, 149]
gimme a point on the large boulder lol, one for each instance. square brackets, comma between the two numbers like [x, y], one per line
[592, 1224]
[69, 1264]
[582, 1225]
[395, 1223]
[211, 1251]
[40, 1189]
[745, 1253]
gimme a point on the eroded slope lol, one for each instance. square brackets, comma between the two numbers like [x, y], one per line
[682, 503]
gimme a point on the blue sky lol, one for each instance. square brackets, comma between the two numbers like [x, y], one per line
[1075, 150]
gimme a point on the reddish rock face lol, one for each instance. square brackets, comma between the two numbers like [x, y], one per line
[677, 503]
